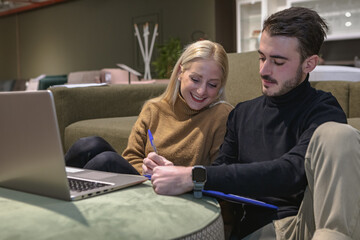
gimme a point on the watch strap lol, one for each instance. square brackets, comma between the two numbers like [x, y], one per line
[198, 187]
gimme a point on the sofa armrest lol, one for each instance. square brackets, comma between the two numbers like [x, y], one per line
[76, 104]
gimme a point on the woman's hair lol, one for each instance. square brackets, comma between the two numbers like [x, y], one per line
[301, 23]
[201, 50]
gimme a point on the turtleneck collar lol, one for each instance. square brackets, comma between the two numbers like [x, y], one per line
[182, 109]
[292, 96]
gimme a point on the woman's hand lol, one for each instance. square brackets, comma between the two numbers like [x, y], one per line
[172, 180]
[152, 161]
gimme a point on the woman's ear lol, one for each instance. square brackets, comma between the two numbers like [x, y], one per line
[310, 63]
[180, 71]
[181, 68]
[179, 76]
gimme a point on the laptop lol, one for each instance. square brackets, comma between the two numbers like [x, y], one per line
[31, 155]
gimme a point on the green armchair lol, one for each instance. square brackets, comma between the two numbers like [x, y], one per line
[49, 81]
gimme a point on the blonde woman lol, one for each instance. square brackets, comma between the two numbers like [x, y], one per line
[187, 121]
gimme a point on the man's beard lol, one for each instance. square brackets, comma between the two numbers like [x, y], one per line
[287, 86]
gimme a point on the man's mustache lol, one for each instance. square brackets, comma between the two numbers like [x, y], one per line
[268, 78]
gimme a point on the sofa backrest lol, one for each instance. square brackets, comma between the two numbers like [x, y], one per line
[339, 89]
[243, 80]
[347, 93]
[77, 104]
[354, 100]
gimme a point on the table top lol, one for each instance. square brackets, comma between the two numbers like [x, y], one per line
[132, 213]
[335, 73]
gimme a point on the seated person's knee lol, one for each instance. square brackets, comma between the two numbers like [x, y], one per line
[332, 131]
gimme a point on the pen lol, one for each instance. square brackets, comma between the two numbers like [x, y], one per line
[152, 141]
[148, 176]
[151, 138]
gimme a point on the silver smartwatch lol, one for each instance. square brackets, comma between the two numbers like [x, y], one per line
[199, 179]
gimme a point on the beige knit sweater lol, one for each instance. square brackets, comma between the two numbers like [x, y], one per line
[182, 135]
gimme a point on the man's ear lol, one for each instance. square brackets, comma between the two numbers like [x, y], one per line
[310, 63]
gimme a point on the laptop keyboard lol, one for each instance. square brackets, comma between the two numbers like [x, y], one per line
[83, 185]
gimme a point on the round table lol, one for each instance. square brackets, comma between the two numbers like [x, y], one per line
[136, 212]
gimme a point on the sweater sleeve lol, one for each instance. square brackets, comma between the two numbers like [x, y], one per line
[228, 151]
[277, 177]
[280, 177]
[220, 130]
[135, 150]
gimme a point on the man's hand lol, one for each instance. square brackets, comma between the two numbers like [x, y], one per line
[172, 180]
[152, 161]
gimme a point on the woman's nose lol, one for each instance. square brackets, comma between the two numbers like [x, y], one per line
[201, 90]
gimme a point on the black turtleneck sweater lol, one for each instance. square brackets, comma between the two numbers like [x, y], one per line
[264, 149]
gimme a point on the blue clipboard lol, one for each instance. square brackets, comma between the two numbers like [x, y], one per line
[238, 199]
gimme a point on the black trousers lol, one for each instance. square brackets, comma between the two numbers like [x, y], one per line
[97, 154]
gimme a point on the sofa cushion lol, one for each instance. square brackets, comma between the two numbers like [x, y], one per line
[114, 130]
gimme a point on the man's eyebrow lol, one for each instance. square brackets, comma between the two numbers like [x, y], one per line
[274, 56]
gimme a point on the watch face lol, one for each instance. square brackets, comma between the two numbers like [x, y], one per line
[199, 174]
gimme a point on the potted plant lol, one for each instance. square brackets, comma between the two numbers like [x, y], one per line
[168, 54]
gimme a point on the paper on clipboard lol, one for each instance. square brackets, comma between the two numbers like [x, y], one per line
[238, 199]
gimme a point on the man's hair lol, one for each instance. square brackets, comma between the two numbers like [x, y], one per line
[302, 23]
